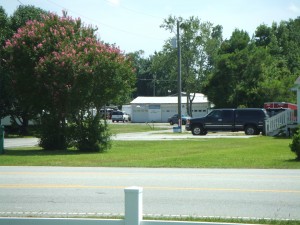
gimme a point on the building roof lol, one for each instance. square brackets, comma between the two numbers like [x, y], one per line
[199, 98]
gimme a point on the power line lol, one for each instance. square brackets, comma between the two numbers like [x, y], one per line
[106, 25]
[138, 12]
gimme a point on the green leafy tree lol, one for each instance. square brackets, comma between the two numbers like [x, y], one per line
[63, 72]
[163, 66]
[12, 106]
[199, 42]
[5, 30]
[5, 33]
[282, 67]
[144, 77]
[225, 86]
[25, 13]
[251, 72]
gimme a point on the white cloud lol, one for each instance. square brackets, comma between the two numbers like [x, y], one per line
[294, 8]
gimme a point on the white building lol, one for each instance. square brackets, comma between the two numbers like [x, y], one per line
[158, 109]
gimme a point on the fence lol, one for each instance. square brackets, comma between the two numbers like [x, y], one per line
[281, 121]
[133, 216]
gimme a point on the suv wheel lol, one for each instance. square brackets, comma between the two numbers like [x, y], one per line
[251, 130]
[198, 130]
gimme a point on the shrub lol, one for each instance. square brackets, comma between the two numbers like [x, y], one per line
[89, 134]
[52, 133]
[295, 145]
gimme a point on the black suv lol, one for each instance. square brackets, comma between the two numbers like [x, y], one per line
[250, 120]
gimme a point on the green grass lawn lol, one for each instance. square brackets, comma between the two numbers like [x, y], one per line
[237, 221]
[257, 152]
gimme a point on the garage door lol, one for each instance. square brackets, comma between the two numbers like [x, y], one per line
[154, 113]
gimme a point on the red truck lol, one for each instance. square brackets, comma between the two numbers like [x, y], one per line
[274, 108]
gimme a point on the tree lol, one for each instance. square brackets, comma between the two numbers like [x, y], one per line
[227, 78]
[12, 107]
[251, 72]
[144, 77]
[63, 72]
[199, 42]
[5, 33]
[283, 67]
[25, 13]
[163, 67]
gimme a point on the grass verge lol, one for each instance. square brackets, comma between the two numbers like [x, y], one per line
[230, 220]
[259, 152]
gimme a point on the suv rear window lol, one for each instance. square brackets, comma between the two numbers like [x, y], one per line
[249, 113]
[117, 113]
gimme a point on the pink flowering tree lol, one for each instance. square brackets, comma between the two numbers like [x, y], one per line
[63, 72]
[9, 105]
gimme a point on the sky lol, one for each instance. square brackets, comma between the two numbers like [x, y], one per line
[134, 25]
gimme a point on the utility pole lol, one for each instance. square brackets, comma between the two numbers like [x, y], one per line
[179, 79]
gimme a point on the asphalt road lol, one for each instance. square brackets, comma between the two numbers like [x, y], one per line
[63, 191]
[20, 142]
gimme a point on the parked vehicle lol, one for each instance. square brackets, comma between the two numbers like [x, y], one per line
[273, 108]
[119, 116]
[249, 120]
[106, 113]
[174, 119]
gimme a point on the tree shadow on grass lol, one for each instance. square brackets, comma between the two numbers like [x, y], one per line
[42, 152]
[293, 160]
[282, 137]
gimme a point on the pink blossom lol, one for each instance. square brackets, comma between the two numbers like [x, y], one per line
[17, 35]
[41, 60]
[8, 43]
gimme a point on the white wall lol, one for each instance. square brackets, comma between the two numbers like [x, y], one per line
[200, 109]
[6, 121]
[127, 109]
[141, 112]
[154, 113]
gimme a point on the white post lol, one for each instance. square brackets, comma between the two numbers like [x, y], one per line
[133, 205]
[286, 122]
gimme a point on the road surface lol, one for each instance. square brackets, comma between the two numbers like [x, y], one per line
[82, 191]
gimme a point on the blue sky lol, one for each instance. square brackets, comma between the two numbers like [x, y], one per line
[135, 24]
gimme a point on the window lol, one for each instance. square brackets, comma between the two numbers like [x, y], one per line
[227, 114]
[215, 114]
